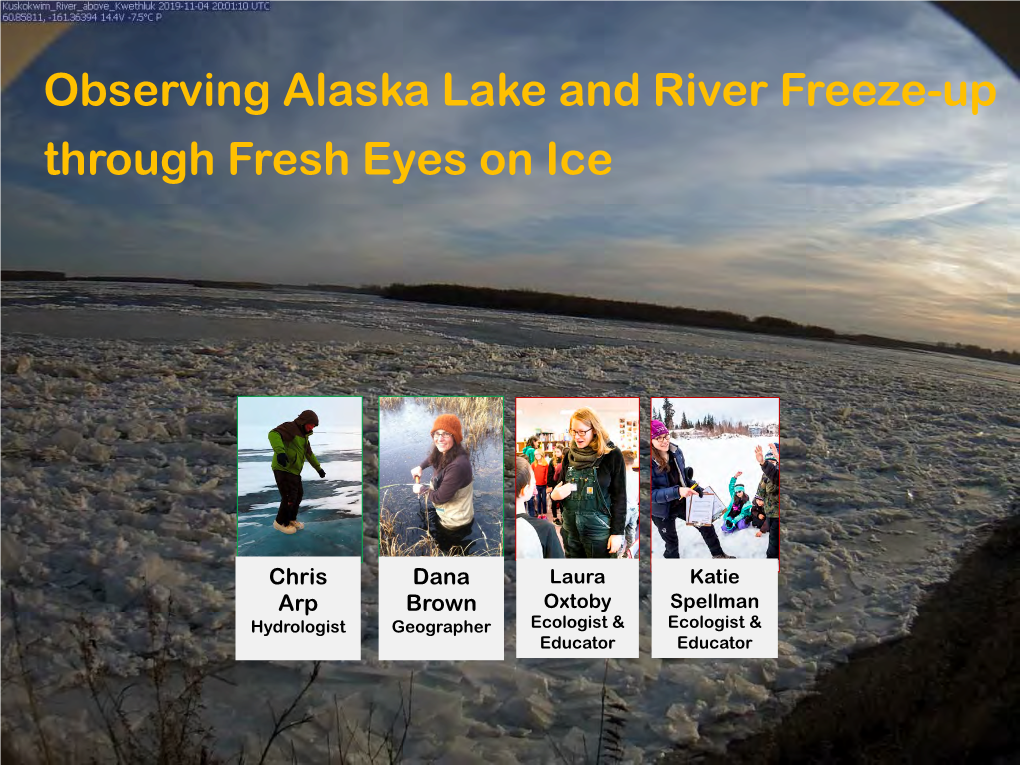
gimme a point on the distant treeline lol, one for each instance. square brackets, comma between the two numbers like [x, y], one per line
[707, 424]
[558, 305]
[571, 305]
[60, 276]
[32, 276]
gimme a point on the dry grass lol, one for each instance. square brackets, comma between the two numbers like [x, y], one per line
[426, 547]
[481, 416]
[391, 544]
[158, 718]
[161, 719]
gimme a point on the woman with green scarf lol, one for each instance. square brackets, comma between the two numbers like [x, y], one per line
[593, 490]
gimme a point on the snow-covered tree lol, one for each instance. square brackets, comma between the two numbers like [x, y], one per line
[684, 422]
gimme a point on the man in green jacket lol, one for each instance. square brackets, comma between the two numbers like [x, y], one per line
[291, 447]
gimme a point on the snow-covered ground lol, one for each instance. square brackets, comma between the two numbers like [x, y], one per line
[715, 461]
[119, 479]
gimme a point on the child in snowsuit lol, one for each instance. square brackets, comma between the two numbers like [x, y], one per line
[738, 516]
[758, 519]
[768, 490]
[291, 447]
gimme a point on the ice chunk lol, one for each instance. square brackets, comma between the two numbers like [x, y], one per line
[94, 451]
[65, 439]
[212, 423]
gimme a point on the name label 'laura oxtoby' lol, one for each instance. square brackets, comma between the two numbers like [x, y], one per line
[564, 607]
[577, 577]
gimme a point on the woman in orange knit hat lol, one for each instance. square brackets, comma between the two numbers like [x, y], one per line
[452, 486]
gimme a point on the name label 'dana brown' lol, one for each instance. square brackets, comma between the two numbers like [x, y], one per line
[422, 576]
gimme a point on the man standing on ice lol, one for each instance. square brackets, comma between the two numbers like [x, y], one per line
[768, 490]
[291, 447]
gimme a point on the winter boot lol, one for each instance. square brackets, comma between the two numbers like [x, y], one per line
[724, 555]
[297, 524]
[285, 529]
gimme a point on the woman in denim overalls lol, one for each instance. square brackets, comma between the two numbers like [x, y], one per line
[593, 490]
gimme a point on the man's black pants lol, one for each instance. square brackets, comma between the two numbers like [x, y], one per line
[291, 492]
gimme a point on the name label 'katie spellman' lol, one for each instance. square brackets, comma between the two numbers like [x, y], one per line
[715, 612]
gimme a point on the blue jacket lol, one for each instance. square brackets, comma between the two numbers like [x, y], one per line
[664, 492]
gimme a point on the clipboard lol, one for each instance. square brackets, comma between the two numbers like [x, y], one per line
[702, 511]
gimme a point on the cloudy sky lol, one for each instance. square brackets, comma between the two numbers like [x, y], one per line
[894, 220]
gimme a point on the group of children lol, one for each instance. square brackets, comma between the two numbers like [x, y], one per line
[548, 468]
[761, 512]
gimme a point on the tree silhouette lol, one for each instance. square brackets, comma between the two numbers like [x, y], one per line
[667, 411]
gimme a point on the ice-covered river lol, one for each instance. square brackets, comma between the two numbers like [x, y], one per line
[119, 479]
